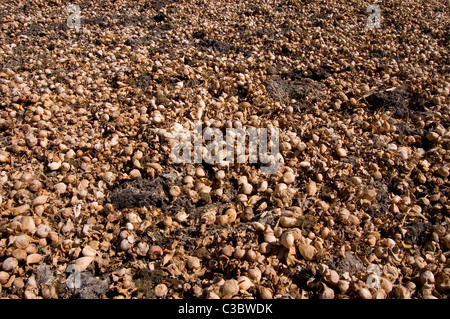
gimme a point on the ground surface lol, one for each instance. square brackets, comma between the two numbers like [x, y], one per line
[358, 208]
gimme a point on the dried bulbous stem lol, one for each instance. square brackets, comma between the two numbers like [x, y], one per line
[161, 290]
[287, 239]
[22, 241]
[10, 264]
[327, 293]
[230, 288]
[155, 252]
[193, 262]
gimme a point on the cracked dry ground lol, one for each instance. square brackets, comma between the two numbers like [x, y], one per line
[88, 184]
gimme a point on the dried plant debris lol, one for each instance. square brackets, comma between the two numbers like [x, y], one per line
[94, 204]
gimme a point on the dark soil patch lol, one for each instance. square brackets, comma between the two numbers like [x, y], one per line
[404, 129]
[60, 26]
[159, 4]
[242, 93]
[308, 281]
[135, 20]
[351, 264]
[133, 42]
[284, 89]
[199, 34]
[307, 223]
[379, 53]
[12, 63]
[143, 81]
[216, 45]
[165, 27]
[322, 72]
[190, 83]
[91, 287]
[43, 274]
[146, 280]
[101, 21]
[145, 192]
[182, 203]
[160, 17]
[36, 29]
[381, 206]
[416, 233]
[253, 10]
[395, 183]
[20, 57]
[399, 101]
[445, 40]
